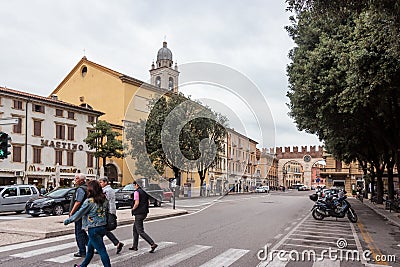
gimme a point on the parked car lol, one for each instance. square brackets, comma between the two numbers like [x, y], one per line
[262, 189]
[303, 188]
[296, 186]
[123, 198]
[55, 202]
[14, 197]
[168, 194]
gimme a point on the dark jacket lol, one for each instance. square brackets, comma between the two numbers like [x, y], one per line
[143, 207]
[71, 204]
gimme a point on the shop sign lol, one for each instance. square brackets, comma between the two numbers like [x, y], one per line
[59, 144]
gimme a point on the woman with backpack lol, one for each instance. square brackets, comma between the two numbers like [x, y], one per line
[93, 214]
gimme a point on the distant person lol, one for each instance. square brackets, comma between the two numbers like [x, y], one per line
[93, 215]
[110, 195]
[77, 200]
[140, 210]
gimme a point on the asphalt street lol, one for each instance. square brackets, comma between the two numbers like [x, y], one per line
[235, 230]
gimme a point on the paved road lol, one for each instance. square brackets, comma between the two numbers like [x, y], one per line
[229, 232]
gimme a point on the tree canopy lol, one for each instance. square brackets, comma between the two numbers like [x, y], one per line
[180, 134]
[344, 78]
[104, 140]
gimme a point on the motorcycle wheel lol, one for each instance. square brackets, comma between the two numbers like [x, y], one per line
[317, 215]
[351, 214]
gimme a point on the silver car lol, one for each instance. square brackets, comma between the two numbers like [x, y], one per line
[14, 197]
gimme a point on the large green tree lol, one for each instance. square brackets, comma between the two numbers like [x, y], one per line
[344, 78]
[179, 134]
[104, 140]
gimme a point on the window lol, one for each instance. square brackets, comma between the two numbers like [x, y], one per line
[38, 108]
[71, 115]
[70, 158]
[37, 128]
[25, 191]
[37, 155]
[59, 113]
[18, 104]
[60, 131]
[59, 157]
[90, 158]
[11, 192]
[17, 128]
[158, 81]
[171, 83]
[71, 133]
[84, 71]
[16, 154]
[90, 118]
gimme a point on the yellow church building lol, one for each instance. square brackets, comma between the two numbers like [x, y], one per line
[112, 92]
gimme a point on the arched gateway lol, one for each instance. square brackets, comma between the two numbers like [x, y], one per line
[307, 158]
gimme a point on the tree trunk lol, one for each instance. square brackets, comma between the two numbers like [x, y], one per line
[202, 175]
[379, 186]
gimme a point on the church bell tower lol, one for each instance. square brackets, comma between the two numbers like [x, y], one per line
[163, 74]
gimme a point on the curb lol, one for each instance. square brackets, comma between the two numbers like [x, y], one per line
[377, 211]
[61, 232]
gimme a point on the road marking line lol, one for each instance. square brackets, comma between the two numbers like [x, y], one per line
[128, 256]
[313, 241]
[265, 263]
[319, 237]
[279, 261]
[326, 263]
[226, 259]
[287, 229]
[179, 257]
[370, 242]
[278, 236]
[70, 256]
[36, 243]
[334, 230]
[28, 254]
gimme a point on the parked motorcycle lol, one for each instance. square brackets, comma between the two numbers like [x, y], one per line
[332, 207]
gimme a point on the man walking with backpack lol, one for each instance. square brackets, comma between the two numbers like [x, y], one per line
[76, 202]
[110, 195]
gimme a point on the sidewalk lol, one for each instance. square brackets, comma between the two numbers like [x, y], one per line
[15, 231]
[393, 217]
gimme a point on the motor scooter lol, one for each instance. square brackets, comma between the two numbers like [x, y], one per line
[332, 207]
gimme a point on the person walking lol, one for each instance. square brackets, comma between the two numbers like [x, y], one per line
[93, 216]
[76, 202]
[110, 195]
[140, 210]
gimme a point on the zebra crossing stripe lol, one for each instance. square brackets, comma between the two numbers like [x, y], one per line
[278, 261]
[129, 255]
[70, 257]
[45, 250]
[35, 243]
[179, 257]
[227, 258]
[326, 263]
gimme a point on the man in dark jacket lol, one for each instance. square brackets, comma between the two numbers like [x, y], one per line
[76, 202]
[140, 210]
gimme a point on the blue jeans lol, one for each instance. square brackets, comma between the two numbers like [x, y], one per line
[81, 237]
[96, 235]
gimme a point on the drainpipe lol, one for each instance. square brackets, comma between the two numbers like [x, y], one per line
[26, 139]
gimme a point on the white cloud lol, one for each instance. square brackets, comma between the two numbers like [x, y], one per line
[42, 40]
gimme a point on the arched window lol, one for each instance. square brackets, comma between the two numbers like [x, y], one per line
[171, 83]
[158, 81]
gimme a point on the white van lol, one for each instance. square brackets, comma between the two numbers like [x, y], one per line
[14, 197]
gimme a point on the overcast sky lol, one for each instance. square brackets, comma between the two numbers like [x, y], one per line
[41, 41]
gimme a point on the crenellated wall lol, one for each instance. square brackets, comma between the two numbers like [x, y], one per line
[294, 152]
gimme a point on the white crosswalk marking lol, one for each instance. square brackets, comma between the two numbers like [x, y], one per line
[226, 259]
[129, 255]
[70, 256]
[178, 257]
[327, 263]
[28, 254]
[278, 261]
[35, 243]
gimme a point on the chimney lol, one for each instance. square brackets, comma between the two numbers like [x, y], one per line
[54, 97]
